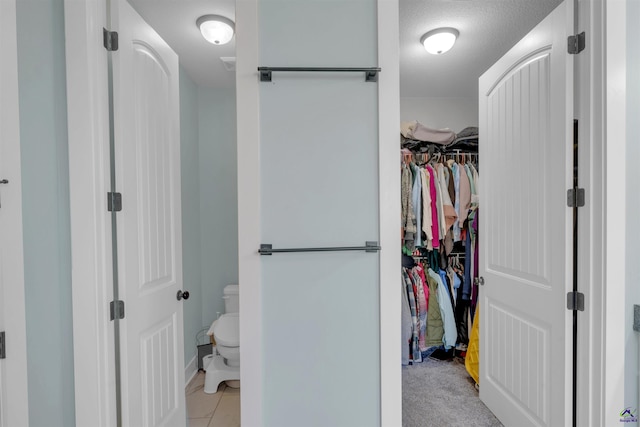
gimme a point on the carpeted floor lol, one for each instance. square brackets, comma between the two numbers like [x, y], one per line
[441, 393]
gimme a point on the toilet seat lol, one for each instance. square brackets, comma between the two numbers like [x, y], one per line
[226, 330]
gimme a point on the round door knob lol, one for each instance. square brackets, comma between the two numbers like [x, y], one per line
[182, 295]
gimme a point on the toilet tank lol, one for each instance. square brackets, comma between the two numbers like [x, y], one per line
[231, 299]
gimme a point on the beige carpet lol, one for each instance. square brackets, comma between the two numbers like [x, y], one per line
[441, 393]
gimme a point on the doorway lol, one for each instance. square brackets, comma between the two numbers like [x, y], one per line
[439, 110]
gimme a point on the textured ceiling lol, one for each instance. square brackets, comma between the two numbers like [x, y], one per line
[175, 21]
[488, 28]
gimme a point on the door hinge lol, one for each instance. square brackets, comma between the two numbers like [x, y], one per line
[117, 310]
[575, 197]
[576, 43]
[114, 202]
[575, 301]
[110, 39]
[3, 346]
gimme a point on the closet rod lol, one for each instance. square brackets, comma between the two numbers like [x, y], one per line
[371, 74]
[267, 249]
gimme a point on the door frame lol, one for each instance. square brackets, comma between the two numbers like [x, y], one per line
[614, 132]
[89, 178]
[600, 108]
[13, 308]
[90, 226]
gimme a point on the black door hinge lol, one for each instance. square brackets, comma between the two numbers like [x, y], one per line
[117, 310]
[3, 346]
[110, 40]
[575, 301]
[114, 202]
[575, 197]
[576, 43]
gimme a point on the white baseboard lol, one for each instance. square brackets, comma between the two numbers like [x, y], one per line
[190, 371]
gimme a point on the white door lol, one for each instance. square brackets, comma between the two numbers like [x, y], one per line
[14, 409]
[526, 116]
[147, 139]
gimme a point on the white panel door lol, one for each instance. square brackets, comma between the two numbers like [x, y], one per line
[14, 409]
[526, 116]
[149, 227]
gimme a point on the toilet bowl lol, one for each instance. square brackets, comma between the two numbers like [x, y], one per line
[226, 331]
[225, 365]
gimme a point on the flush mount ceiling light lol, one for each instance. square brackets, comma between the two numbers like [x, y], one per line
[440, 40]
[216, 29]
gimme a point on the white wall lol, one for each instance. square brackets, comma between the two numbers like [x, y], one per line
[191, 250]
[632, 374]
[453, 113]
[46, 223]
[209, 204]
[218, 197]
[318, 176]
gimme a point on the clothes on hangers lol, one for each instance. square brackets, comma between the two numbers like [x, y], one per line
[417, 203]
[414, 352]
[428, 211]
[439, 217]
[408, 215]
[450, 335]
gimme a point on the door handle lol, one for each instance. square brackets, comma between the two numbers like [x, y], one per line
[479, 281]
[4, 181]
[182, 295]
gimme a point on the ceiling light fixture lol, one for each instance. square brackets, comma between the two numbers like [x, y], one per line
[440, 40]
[216, 29]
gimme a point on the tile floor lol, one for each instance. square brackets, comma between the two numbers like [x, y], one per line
[212, 410]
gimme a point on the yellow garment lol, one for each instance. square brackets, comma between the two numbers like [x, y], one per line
[472, 361]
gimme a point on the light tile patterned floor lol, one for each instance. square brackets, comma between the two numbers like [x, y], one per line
[212, 410]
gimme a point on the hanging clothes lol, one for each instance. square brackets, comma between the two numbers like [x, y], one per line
[408, 215]
[426, 209]
[465, 196]
[439, 224]
[407, 326]
[435, 224]
[449, 212]
[416, 201]
[421, 306]
[472, 361]
[450, 335]
[457, 227]
[415, 353]
[435, 325]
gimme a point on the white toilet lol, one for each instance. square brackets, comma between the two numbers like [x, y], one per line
[225, 366]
